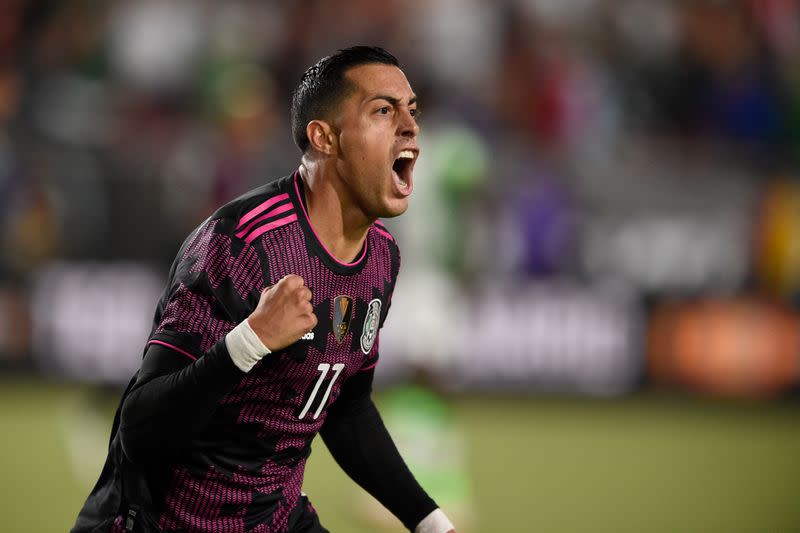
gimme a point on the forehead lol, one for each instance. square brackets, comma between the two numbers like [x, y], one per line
[379, 79]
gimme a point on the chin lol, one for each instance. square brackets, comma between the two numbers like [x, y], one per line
[393, 208]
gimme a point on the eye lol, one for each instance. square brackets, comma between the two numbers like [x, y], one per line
[384, 110]
[414, 113]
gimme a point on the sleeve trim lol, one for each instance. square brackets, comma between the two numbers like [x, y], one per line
[168, 345]
[435, 522]
[370, 367]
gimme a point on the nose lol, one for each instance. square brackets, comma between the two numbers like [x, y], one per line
[408, 126]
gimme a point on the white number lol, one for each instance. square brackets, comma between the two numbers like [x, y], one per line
[323, 367]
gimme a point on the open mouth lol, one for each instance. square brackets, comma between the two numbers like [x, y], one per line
[402, 172]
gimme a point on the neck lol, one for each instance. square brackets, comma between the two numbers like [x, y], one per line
[337, 220]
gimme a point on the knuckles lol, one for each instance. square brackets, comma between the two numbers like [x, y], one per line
[291, 281]
[303, 294]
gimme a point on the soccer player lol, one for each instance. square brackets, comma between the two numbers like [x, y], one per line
[267, 332]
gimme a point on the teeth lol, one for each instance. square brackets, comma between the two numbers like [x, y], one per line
[406, 154]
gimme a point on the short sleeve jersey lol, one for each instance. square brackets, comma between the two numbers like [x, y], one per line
[245, 469]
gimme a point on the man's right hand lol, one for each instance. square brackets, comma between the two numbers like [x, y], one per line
[284, 313]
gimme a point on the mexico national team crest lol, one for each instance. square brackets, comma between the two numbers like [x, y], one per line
[370, 330]
[342, 312]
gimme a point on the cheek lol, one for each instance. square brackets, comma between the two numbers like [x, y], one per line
[367, 149]
[357, 144]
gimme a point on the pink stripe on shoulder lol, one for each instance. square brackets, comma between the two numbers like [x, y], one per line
[278, 210]
[384, 233]
[261, 208]
[168, 345]
[272, 225]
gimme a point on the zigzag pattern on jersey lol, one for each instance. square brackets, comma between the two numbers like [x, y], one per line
[211, 277]
[272, 397]
[237, 503]
[212, 253]
[192, 313]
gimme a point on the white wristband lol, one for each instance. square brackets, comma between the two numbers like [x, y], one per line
[435, 522]
[244, 346]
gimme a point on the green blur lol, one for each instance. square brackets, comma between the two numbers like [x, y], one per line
[651, 463]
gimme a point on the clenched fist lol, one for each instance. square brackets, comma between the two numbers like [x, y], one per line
[284, 313]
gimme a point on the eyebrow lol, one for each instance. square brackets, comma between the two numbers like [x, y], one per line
[392, 100]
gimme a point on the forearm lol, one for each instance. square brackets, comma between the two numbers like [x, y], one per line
[173, 399]
[362, 446]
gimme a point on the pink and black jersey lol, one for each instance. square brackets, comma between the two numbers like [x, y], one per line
[252, 243]
[243, 471]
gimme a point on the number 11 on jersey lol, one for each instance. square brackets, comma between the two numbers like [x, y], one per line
[323, 368]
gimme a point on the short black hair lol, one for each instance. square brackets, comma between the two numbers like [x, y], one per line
[323, 85]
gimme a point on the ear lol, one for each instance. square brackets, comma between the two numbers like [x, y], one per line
[321, 136]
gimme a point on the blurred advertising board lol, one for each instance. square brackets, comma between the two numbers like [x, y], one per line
[674, 252]
[90, 320]
[528, 336]
[731, 347]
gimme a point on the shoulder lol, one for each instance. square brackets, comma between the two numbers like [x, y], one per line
[255, 212]
[383, 233]
[385, 238]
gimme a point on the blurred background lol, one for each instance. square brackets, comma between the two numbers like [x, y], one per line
[597, 322]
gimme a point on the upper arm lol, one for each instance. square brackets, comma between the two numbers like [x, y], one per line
[356, 393]
[159, 361]
[215, 285]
